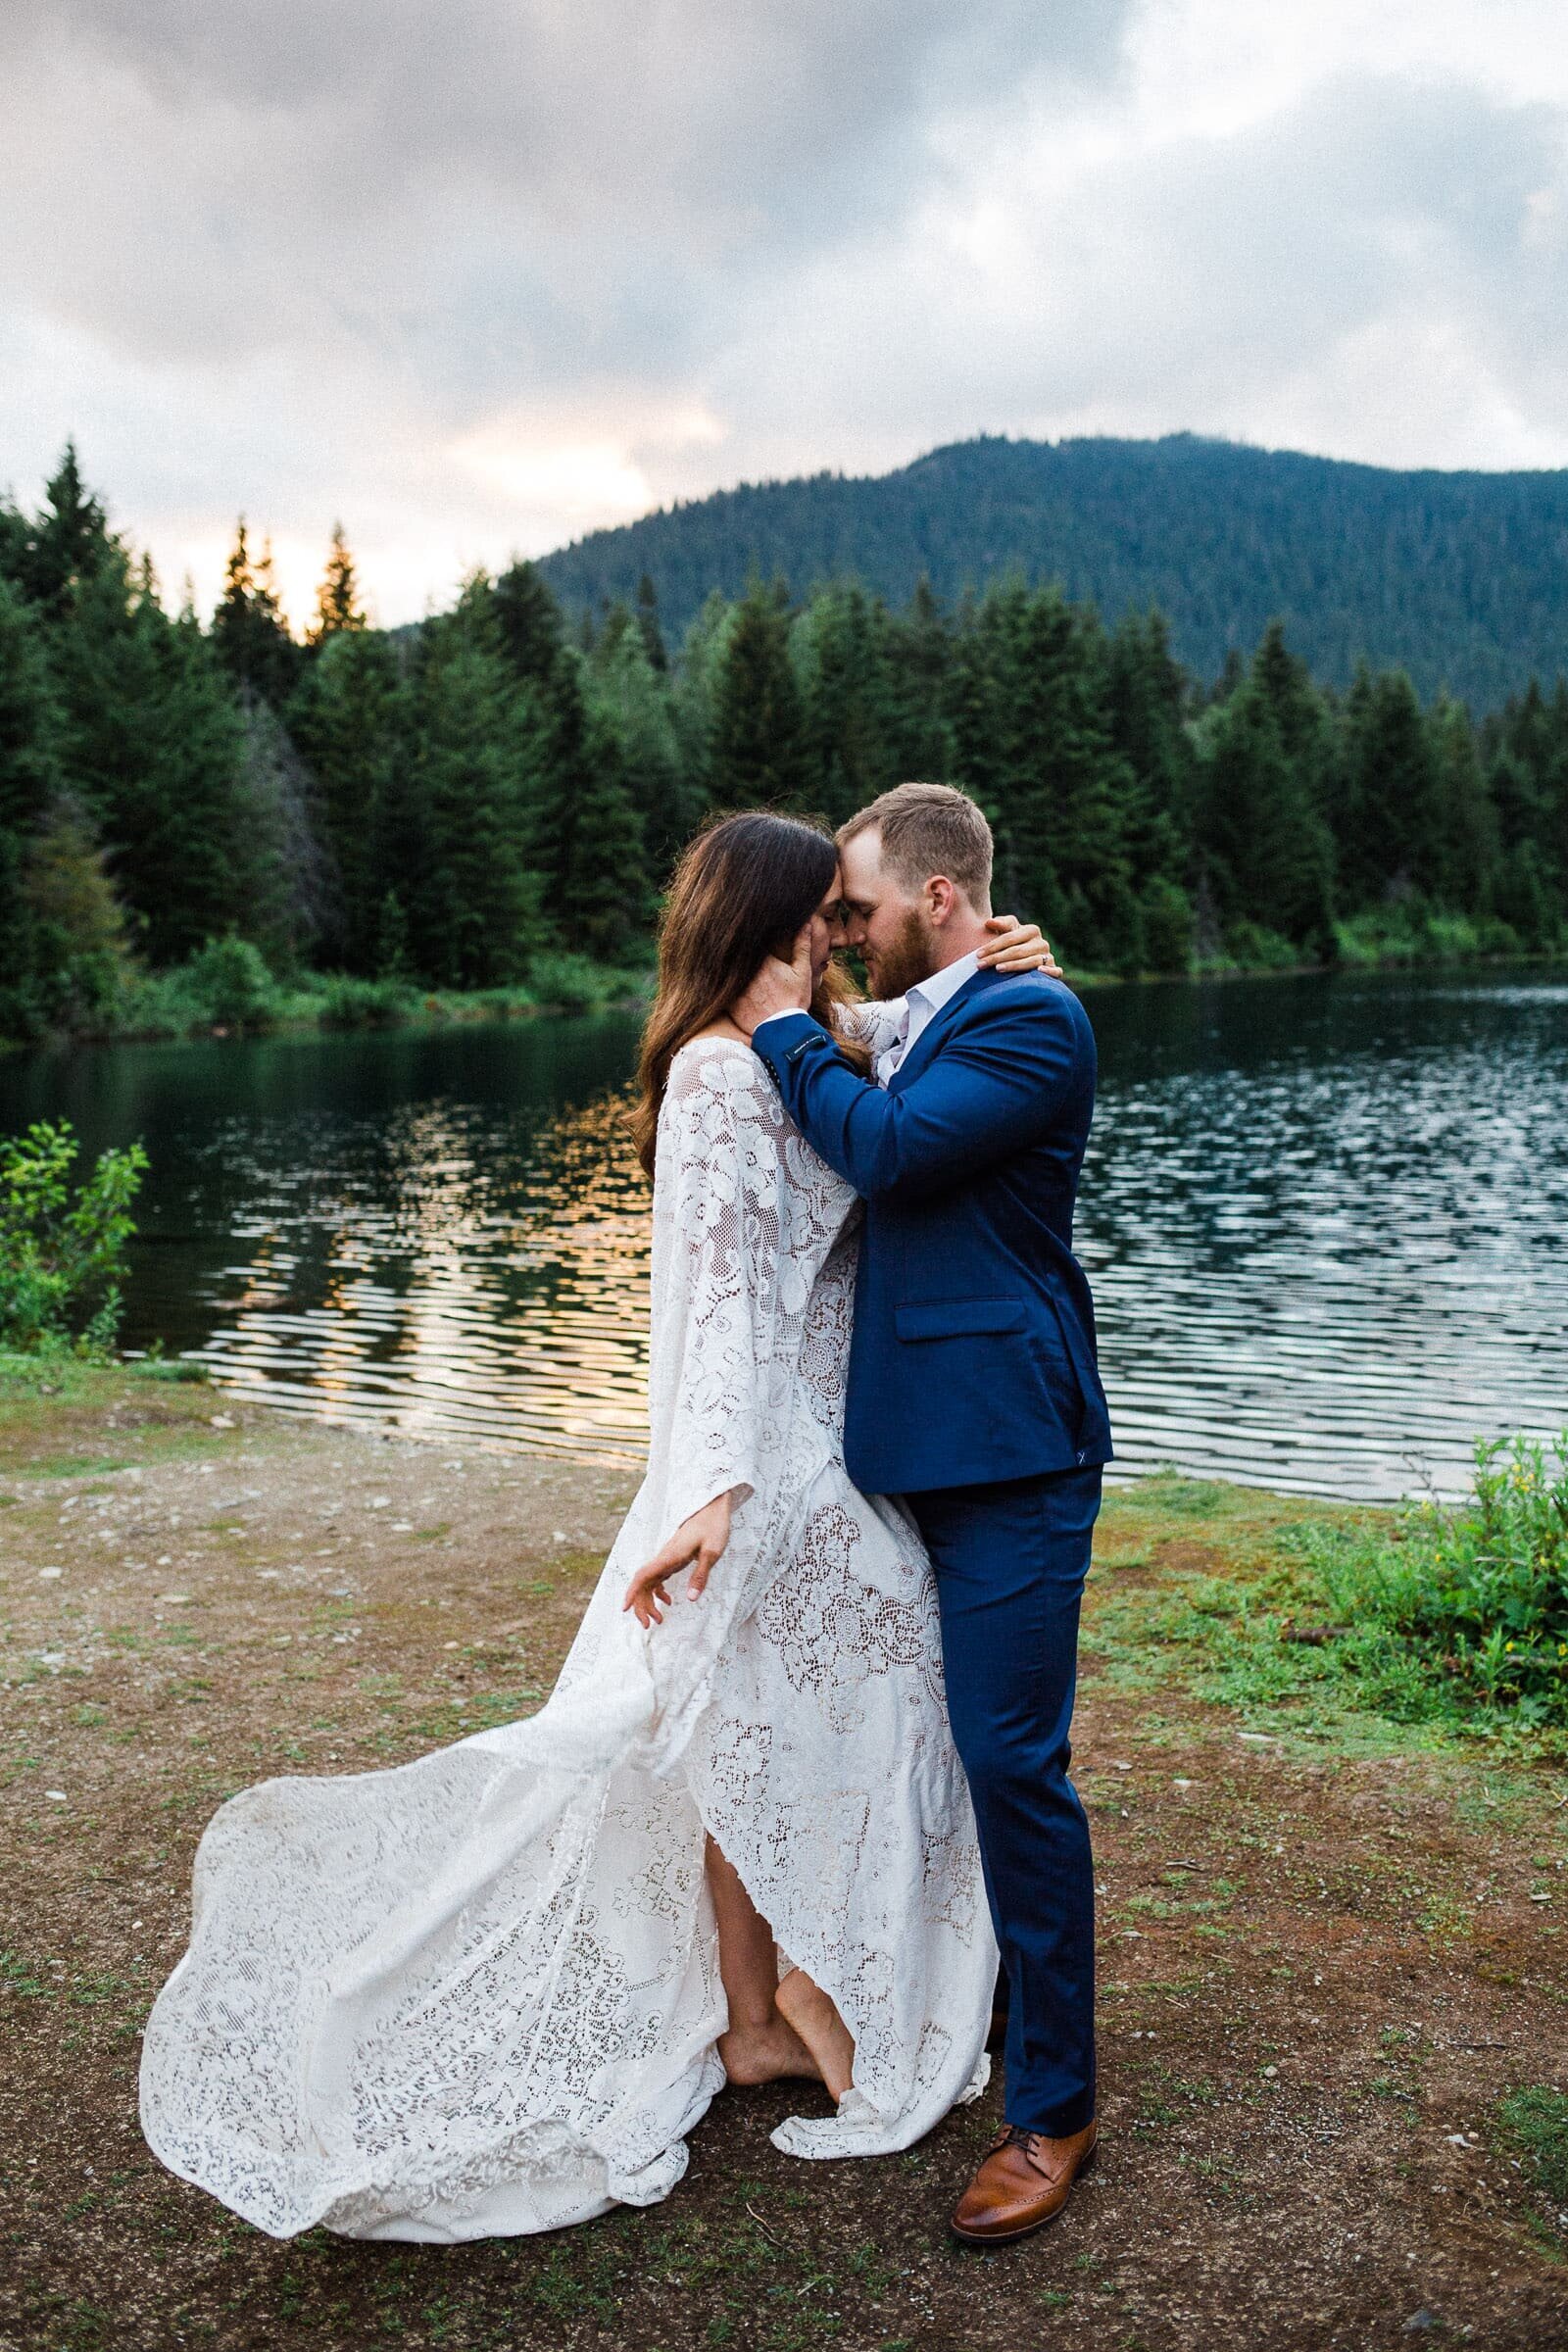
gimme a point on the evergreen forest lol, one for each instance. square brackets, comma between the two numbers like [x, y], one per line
[493, 798]
[1457, 578]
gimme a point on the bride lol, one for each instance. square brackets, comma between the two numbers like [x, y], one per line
[491, 1991]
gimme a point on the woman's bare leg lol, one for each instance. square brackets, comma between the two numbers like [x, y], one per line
[761, 2045]
[816, 2021]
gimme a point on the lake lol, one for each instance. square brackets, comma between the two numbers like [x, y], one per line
[1324, 1220]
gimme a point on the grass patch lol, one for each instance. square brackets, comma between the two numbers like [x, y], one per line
[65, 1418]
[1532, 2127]
[1451, 1620]
[1462, 1613]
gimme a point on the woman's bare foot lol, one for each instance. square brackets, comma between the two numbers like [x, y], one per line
[771, 2053]
[820, 2028]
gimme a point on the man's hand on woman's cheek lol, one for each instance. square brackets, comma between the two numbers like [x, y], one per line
[778, 987]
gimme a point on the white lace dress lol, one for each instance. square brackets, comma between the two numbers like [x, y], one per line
[478, 1994]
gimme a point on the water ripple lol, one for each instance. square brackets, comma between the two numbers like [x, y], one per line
[1325, 1223]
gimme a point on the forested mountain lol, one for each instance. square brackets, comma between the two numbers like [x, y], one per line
[1460, 579]
[447, 806]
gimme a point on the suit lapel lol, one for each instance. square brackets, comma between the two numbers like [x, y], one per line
[930, 1037]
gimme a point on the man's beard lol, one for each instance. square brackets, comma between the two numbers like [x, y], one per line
[910, 957]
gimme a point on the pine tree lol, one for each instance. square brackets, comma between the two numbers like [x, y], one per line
[1267, 855]
[69, 542]
[30, 778]
[653, 636]
[29, 723]
[1462, 856]
[582, 811]
[757, 753]
[920, 659]
[248, 630]
[185, 847]
[82, 963]
[1061, 790]
[532, 634]
[695, 693]
[840, 649]
[1527, 784]
[16, 540]
[1145, 696]
[1385, 804]
[604, 905]
[472, 911]
[337, 600]
[1531, 786]
[633, 698]
[152, 743]
[1299, 713]
[973, 714]
[348, 719]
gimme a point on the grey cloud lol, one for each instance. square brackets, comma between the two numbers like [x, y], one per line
[1185, 285]
[319, 258]
[610, 112]
[490, 192]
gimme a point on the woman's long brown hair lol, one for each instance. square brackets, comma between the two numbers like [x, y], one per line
[740, 894]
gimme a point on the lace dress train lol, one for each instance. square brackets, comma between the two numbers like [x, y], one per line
[478, 1994]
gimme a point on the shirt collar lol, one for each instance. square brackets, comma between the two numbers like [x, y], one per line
[936, 992]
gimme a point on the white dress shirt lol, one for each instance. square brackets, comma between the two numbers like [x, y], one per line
[912, 1013]
[921, 1006]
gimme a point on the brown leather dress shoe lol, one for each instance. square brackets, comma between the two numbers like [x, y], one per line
[1024, 2183]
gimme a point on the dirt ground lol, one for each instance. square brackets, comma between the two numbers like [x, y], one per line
[1324, 1959]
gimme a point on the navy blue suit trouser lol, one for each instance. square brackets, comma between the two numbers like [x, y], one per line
[1010, 1560]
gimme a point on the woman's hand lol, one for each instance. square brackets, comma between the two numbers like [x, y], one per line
[1018, 947]
[701, 1538]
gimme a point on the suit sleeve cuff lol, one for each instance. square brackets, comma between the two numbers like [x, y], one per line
[785, 1036]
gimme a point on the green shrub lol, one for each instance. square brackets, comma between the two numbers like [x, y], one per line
[344, 1003]
[224, 985]
[62, 1259]
[1258, 949]
[1466, 1605]
[1410, 932]
[228, 985]
[576, 984]
[510, 1004]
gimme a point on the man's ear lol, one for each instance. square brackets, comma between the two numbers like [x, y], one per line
[940, 896]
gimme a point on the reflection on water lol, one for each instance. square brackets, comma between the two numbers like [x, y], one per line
[1325, 1222]
[483, 1299]
[442, 1233]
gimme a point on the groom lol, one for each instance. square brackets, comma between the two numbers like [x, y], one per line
[973, 1393]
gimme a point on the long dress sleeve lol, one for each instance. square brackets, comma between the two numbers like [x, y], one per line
[717, 1279]
[733, 1260]
[876, 1021]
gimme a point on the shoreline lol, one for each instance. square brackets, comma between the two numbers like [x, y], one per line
[1344, 968]
[362, 1009]
[437, 1010]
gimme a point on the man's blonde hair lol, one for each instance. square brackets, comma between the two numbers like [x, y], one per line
[930, 829]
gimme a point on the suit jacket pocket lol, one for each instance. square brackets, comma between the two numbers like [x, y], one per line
[957, 1318]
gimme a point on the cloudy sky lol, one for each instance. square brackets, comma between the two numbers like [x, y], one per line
[477, 275]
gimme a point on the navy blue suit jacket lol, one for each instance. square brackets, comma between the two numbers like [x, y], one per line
[973, 1355]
